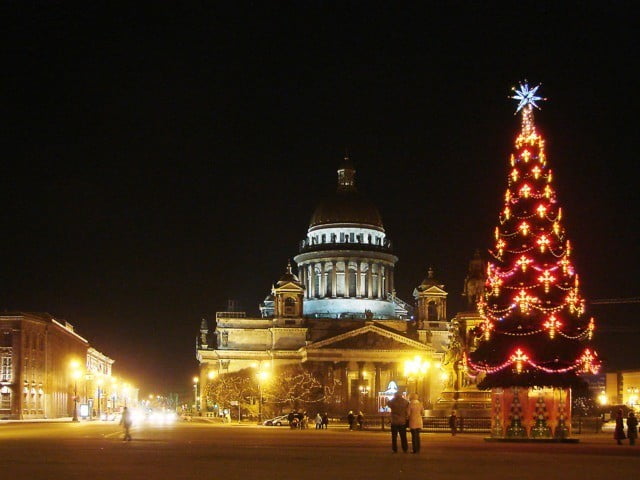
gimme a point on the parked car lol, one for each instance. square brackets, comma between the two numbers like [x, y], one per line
[276, 421]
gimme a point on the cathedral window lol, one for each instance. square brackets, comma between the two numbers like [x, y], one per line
[289, 306]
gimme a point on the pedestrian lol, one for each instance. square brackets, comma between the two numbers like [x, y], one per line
[318, 421]
[350, 419]
[632, 428]
[125, 421]
[453, 423]
[360, 420]
[415, 421]
[300, 419]
[325, 420]
[399, 415]
[291, 417]
[618, 433]
[305, 420]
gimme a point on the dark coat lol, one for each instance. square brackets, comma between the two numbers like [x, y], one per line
[618, 433]
[632, 427]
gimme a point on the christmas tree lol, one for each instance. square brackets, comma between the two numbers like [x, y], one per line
[535, 331]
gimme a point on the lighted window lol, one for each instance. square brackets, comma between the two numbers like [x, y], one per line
[6, 369]
[5, 398]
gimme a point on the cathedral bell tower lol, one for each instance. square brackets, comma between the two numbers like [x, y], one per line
[288, 296]
[432, 301]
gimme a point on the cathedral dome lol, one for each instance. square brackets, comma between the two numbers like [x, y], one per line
[346, 205]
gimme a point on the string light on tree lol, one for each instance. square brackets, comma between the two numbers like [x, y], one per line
[533, 292]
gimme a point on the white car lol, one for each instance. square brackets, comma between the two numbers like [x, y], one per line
[277, 421]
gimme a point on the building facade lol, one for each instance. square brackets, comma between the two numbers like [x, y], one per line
[340, 315]
[36, 380]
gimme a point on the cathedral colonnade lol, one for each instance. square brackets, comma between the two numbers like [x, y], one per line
[346, 278]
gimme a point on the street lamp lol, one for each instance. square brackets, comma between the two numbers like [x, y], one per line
[76, 374]
[195, 392]
[99, 383]
[415, 368]
[262, 376]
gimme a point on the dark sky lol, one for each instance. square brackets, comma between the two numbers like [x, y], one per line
[158, 160]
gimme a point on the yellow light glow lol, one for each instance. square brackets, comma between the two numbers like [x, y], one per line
[196, 379]
[212, 374]
[603, 399]
[263, 375]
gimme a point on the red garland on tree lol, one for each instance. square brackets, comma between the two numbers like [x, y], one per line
[535, 331]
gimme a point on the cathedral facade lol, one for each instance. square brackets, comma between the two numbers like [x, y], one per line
[340, 316]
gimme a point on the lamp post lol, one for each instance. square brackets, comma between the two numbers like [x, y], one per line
[195, 392]
[415, 368]
[75, 374]
[262, 376]
[99, 383]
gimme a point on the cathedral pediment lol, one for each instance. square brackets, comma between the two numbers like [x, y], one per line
[369, 337]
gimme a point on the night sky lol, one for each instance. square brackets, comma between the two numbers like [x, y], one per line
[158, 161]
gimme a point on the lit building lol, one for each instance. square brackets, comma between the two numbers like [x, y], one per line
[43, 366]
[340, 315]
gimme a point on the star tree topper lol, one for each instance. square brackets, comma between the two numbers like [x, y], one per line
[526, 96]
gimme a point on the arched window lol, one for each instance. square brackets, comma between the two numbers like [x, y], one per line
[289, 306]
[432, 311]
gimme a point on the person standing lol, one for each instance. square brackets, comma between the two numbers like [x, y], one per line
[350, 419]
[399, 414]
[618, 433]
[360, 420]
[453, 423]
[632, 428]
[325, 420]
[415, 421]
[126, 421]
[318, 421]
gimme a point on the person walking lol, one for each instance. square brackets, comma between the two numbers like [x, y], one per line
[632, 428]
[360, 420]
[453, 423]
[415, 421]
[318, 421]
[126, 421]
[618, 433]
[399, 414]
[350, 419]
[325, 420]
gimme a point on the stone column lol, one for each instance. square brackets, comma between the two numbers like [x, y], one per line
[312, 280]
[391, 285]
[377, 384]
[358, 280]
[334, 279]
[322, 284]
[346, 278]
[344, 379]
[369, 281]
[379, 280]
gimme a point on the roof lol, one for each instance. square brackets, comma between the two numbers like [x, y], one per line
[346, 205]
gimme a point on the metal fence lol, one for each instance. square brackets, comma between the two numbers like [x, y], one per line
[434, 424]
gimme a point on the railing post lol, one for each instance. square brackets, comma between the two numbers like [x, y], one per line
[461, 424]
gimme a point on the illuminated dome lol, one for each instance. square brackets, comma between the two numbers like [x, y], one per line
[346, 206]
[346, 262]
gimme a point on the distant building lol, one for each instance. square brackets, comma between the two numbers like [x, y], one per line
[340, 316]
[36, 380]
